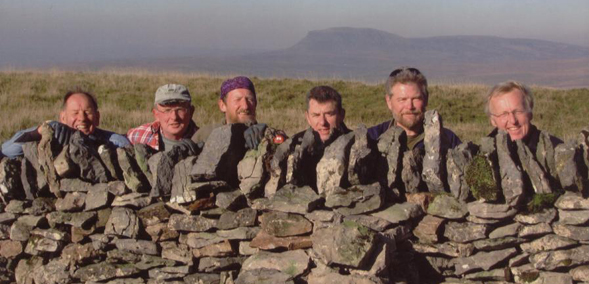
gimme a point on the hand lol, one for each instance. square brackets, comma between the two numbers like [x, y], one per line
[61, 132]
[253, 135]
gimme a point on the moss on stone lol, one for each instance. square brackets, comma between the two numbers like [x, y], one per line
[479, 177]
[541, 201]
[529, 276]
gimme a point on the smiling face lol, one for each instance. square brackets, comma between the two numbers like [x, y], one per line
[407, 104]
[174, 119]
[239, 106]
[79, 113]
[509, 113]
[324, 118]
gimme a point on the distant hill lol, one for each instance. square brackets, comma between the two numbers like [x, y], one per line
[369, 55]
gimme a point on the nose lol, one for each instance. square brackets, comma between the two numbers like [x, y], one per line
[511, 118]
[323, 120]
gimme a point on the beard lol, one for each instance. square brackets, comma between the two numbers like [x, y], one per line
[412, 120]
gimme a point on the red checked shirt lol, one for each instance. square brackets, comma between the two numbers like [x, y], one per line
[149, 134]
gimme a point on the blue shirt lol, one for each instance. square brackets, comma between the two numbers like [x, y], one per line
[12, 149]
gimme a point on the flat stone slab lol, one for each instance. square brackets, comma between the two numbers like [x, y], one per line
[482, 260]
[293, 263]
[447, 207]
[400, 212]
[545, 216]
[187, 223]
[348, 244]
[560, 259]
[264, 241]
[465, 232]
[547, 243]
[578, 233]
[282, 224]
[572, 201]
[290, 199]
[490, 211]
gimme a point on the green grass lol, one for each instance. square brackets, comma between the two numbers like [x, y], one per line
[126, 98]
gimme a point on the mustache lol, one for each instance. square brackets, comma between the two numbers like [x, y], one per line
[244, 112]
[415, 112]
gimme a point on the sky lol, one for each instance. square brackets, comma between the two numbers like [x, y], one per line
[37, 31]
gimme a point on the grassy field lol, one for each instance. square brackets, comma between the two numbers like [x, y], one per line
[126, 97]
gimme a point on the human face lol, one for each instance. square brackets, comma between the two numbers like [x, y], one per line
[324, 118]
[407, 104]
[174, 119]
[508, 112]
[239, 106]
[78, 113]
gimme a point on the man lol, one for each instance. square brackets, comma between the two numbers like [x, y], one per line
[172, 111]
[509, 106]
[407, 98]
[238, 103]
[79, 112]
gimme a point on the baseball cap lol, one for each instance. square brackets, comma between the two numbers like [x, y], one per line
[172, 92]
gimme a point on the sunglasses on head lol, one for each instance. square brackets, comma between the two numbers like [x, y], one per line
[410, 69]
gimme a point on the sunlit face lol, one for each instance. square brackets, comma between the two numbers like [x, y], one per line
[508, 112]
[239, 106]
[324, 118]
[407, 104]
[78, 113]
[174, 119]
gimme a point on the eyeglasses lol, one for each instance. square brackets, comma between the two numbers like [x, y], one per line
[504, 115]
[396, 72]
[178, 110]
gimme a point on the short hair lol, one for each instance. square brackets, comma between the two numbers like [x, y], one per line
[405, 75]
[78, 90]
[323, 94]
[506, 87]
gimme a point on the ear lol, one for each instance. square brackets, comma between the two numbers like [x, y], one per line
[222, 105]
[62, 117]
[493, 122]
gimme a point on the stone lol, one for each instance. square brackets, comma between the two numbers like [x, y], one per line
[447, 207]
[173, 170]
[428, 229]
[52, 234]
[511, 175]
[482, 260]
[510, 230]
[117, 188]
[24, 268]
[246, 249]
[10, 248]
[497, 243]
[434, 171]
[252, 170]
[546, 216]
[177, 252]
[457, 161]
[332, 169]
[78, 219]
[85, 156]
[46, 154]
[572, 201]
[161, 232]
[347, 244]
[411, 170]
[533, 231]
[573, 217]
[301, 164]
[223, 150]
[263, 276]
[465, 232]
[74, 185]
[278, 168]
[53, 272]
[577, 233]
[181, 191]
[122, 222]
[500, 274]
[214, 264]
[108, 155]
[547, 243]
[133, 200]
[230, 200]
[7, 218]
[336, 278]
[10, 181]
[104, 271]
[97, 197]
[76, 254]
[374, 223]
[482, 176]
[580, 273]
[282, 224]
[293, 263]
[142, 154]
[356, 199]
[42, 205]
[361, 158]
[73, 201]
[553, 278]
[36, 245]
[539, 178]
[241, 233]
[15, 207]
[102, 215]
[221, 249]
[391, 145]
[149, 261]
[560, 259]
[243, 218]
[202, 278]
[400, 213]
[199, 240]
[153, 214]
[180, 222]
[264, 241]
[137, 246]
[32, 221]
[568, 158]
[291, 199]
[32, 177]
[490, 211]
[18, 231]
[134, 178]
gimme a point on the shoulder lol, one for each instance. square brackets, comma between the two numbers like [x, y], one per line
[375, 131]
[452, 137]
[139, 133]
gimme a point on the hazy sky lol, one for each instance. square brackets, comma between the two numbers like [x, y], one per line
[74, 30]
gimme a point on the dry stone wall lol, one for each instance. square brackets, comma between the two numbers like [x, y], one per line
[378, 212]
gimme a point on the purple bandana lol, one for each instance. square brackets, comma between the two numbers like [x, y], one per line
[240, 82]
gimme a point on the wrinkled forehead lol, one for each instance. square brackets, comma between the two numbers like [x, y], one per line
[512, 99]
[406, 90]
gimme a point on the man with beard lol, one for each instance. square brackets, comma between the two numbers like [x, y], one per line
[238, 103]
[407, 98]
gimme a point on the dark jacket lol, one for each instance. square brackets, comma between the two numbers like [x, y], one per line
[450, 138]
